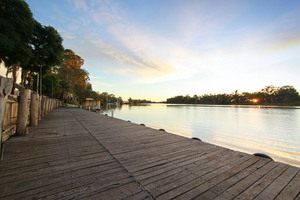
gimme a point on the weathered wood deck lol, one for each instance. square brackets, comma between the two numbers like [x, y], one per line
[76, 154]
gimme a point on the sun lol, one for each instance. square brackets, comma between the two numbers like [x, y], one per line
[254, 100]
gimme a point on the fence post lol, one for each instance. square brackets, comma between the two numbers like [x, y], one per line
[46, 105]
[6, 85]
[51, 108]
[43, 110]
[34, 109]
[40, 107]
[23, 111]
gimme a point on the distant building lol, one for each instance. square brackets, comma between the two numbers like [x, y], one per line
[91, 103]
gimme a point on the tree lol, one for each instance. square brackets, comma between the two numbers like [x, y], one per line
[47, 49]
[268, 95]
[271, 94]
[72, 77]
[70, 70]
[288, 94]
[17, 26]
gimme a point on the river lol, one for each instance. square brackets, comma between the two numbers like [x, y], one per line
[274, 131]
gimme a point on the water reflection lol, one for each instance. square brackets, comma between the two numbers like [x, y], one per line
[271, 130]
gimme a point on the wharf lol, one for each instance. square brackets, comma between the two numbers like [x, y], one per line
[76, 154]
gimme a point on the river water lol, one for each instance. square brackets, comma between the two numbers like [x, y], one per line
[274, 131]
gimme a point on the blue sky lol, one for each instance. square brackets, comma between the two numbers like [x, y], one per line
[156, 49]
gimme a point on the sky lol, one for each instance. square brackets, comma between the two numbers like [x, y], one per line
[157, 49]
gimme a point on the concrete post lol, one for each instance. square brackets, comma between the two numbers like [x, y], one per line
[46, 105]
[23, 111]
[34, 109]
[43, 105]
[40, 107]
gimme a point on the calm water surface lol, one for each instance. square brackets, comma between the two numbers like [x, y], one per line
[271, 130]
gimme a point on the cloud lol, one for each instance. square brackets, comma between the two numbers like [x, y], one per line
[99, 11]
[105, 11]
[96, 77]
[131, 49]
[65, 34]
[99, 84]
[79, 4]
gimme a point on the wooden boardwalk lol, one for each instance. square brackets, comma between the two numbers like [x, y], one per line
[76, 154]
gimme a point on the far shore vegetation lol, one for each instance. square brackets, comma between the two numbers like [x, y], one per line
[270, 95]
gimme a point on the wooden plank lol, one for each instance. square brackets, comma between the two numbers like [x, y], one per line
[213, 178]
[278, 184]
[166, 184]
[242, 185]
[138, 196]
[292, 190]
[58, 186]
[160, 172]
[261, 184]
[217, 189]
[183, 162]
[208, 170]
[49, 163]
[41, 172]
[121, 192]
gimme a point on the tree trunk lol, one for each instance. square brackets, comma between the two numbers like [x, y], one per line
[24, 77]
[23, 111]
[34, 109]
[6, 85]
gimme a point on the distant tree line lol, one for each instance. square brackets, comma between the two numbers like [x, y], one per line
[287, 95]
[104, 97]
[137, 101]
[38, 51]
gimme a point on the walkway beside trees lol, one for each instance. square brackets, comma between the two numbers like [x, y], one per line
[37, 50]
[76, 154]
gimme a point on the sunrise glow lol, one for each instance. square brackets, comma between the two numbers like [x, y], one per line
[254, 100]
[179, 47]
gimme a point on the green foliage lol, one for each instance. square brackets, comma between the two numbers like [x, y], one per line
[26, 43]
[268, 95]
[46, 47]
[137, 101]
[17, 26]
[288, 94]
[51, 84]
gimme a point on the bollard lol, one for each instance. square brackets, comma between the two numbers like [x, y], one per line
[46, 105]
[34, 109]
[23, 111]
[40, 107]
[43, 105]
